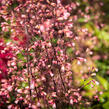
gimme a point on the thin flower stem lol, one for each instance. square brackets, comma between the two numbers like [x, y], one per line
[59, 70]
[28, 67]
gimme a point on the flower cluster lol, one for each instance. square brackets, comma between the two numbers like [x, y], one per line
[40, 71]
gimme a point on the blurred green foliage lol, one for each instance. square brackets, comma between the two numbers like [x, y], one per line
[101, 50]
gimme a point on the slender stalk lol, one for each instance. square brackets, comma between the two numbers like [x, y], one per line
[60, 74]
[62, 79]
[27, 57]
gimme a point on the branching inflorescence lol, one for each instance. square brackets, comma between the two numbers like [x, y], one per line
[40, 71]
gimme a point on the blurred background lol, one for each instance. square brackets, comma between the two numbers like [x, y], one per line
[94, 17]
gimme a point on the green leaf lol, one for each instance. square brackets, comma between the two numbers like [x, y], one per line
[31, 50]
[54, 41]
[58, 52]
[24, 84]
[69, 50]
[106, 105]
[103, 35]
[81, 20]
[38, 37]
[86, 84]
[21, 57]
[0, 28]
[101, 99]
[105, 94]
[103, 82]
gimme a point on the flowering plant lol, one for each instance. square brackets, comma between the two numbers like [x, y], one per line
[44, 42]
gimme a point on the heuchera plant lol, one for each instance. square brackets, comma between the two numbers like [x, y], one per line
[40, 71]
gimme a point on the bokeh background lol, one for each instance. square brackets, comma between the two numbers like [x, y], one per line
[96, 19]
